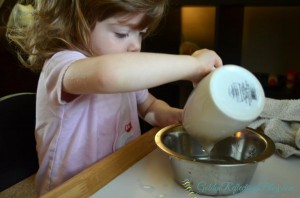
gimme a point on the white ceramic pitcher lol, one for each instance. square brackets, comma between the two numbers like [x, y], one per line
[225, 101]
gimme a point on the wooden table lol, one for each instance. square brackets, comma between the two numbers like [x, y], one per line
[129, 172]
[101, 173]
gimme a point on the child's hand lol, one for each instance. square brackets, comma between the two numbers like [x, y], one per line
[208, 60]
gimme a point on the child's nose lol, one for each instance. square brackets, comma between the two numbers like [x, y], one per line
[134, 45]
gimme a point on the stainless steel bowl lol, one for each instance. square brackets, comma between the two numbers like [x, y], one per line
[227, 170]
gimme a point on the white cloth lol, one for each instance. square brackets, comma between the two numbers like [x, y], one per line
[280, 120]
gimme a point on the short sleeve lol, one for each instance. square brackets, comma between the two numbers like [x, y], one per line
[54, 70]
[141, 96]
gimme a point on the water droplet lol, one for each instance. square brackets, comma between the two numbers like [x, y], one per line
[148, 188]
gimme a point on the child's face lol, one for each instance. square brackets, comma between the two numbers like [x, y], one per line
[113, 35]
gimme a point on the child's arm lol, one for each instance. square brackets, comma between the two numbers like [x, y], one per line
[134, 71]
[158, 113]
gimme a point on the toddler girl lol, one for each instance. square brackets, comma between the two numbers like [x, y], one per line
[91, 90]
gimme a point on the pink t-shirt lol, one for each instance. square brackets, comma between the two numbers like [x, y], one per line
[73, 135]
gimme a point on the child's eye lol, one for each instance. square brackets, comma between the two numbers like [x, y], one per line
[121, 35]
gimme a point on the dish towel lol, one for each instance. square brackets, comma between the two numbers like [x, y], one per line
[280, 120]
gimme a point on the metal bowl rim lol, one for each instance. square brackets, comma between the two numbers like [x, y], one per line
[270, 149]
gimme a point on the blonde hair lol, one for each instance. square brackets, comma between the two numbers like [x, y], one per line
[66, 25]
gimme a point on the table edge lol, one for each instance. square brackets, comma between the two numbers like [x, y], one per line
[102, 172]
